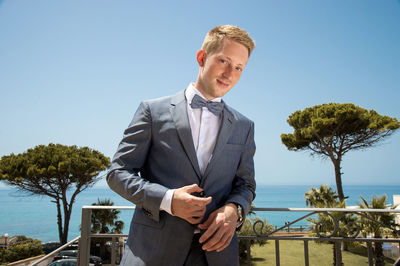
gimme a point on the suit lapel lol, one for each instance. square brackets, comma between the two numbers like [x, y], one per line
[227, 126]
[180, 117]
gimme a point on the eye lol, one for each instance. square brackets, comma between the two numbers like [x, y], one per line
[223, 61]
[239, 69]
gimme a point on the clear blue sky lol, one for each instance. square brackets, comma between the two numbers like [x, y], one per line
[74, 72]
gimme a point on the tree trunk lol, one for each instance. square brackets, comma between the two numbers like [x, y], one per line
[67, 217]
[66, 228]
[338, 178]
[59, 221]
[380, 259]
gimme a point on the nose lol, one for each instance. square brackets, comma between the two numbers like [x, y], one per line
[227, 71]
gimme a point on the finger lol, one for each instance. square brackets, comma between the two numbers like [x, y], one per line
[193, 188]
[214, 241]
[225, 241]
[220, 243]
[204, 225]
[193, 210]
[207, 223]
[198, 217]
[223, 246]
[208, 233]
[201, 201]
[198, 213]
[196, 204]
[220, 238]
[194, 220]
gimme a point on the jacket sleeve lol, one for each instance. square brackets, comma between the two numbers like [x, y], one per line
[244, 185]
[124, 174]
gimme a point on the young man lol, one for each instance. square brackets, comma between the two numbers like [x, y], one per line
[186, 162]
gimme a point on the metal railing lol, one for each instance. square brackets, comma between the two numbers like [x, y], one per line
[54, 252]
[86, 235]
[333, 233]
[337, 216]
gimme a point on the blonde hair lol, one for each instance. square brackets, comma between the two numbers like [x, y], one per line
[214, 38]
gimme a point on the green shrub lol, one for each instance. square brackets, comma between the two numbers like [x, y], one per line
[247, 230]
[22, 248]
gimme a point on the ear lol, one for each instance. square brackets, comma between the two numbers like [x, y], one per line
[201, 57]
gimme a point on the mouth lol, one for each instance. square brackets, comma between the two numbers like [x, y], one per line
[222, 83]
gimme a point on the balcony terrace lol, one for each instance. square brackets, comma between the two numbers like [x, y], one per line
[335, 234]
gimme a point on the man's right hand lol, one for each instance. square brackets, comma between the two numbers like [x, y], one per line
[187, 206]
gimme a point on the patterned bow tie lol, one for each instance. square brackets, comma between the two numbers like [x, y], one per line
[214, 107]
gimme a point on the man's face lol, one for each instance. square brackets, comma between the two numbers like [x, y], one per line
[221, 70]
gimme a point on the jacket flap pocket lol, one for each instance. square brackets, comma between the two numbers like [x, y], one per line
[141, 218]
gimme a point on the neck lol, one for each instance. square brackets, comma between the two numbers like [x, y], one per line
[199, 86]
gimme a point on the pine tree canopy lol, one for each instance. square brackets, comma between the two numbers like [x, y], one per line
[48, 170]
[337, 128]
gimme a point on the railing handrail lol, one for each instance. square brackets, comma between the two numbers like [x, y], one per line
[55, 251]
[95, 207]
[347, 209]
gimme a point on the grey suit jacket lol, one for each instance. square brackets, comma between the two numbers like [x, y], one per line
[157, 154]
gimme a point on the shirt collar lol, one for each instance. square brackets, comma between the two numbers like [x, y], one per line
[191, 91]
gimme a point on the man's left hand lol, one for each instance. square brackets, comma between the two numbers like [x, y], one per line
[220, 228]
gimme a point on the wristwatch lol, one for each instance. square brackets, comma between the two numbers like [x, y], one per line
[240, 213]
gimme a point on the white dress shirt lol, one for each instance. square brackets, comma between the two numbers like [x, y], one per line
[204, 126]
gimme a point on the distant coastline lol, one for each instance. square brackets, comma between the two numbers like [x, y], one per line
[35, 216]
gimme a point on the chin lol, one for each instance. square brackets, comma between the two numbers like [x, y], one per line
[223, 92]
[220, 95]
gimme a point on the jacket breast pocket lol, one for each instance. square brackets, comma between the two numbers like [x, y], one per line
[237, 147]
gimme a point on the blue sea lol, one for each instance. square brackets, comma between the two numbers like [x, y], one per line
[36, 216]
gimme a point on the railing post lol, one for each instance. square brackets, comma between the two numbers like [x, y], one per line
[248, 252]
[113, 255]
[338, 253]
[306, 259]
[370, 254]
[84, 242]
[278, 261]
